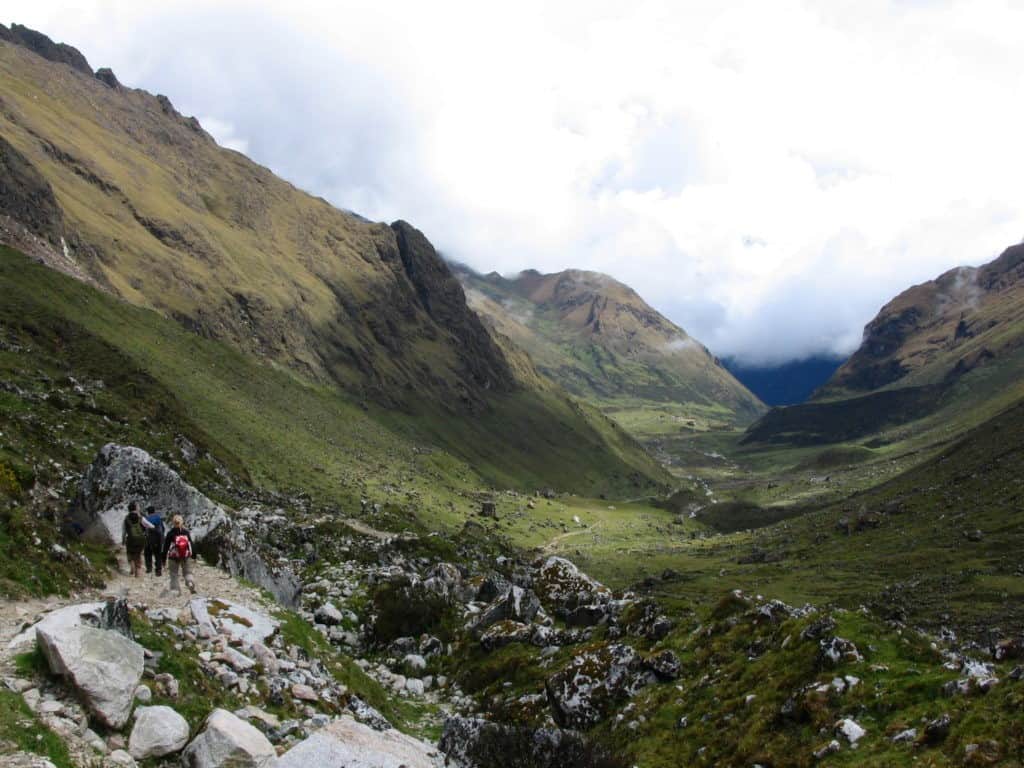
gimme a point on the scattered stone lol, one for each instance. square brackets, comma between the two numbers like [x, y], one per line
[850, 729]
[829, 749]
[229, 741]
[304, 693]
[158, 731]
[328, 614]
[936, 731]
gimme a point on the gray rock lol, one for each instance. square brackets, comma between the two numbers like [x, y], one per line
[158, 731]
[229, 742]
[348, 744]
[120, 474]
[238, 621]
[328, 614]
[593, 682]
[516, 604]
[104, 667]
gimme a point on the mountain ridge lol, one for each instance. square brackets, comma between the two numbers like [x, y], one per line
[600, 340]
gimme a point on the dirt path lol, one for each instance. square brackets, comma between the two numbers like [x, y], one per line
[148, 590]
[552, 545]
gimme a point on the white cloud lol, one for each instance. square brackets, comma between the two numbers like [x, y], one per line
[767, 174]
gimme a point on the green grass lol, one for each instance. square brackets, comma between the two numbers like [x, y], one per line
[20, 730]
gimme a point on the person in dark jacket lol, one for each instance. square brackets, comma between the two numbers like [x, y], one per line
[133, 536]
[154, 552]
[179, 554]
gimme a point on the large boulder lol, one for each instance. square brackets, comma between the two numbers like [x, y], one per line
[583, 693]
[348, 744]
[229, 742]
[515, 604]
[563, 587]
[120, 474]
[158, 731]
[103, 666]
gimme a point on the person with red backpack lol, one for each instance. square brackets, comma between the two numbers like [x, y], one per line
[179, 554]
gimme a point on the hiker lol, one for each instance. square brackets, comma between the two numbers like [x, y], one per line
[179, 553]
[133, 536]
[154, 541]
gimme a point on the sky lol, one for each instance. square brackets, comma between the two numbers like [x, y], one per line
[767, 175]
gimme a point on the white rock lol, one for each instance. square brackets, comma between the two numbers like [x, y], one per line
[851, 730]
[143, 694]
[228, 742]
[158, 731]
[237, 621]
[414, 686]
[103, 666]
[415, 662]
[120, 758]
[348, 744]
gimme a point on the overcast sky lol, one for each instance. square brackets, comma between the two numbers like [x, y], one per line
[767, 174]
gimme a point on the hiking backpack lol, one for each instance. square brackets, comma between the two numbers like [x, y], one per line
[181, 548]
[134, 535]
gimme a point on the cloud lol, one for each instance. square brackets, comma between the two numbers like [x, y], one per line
[766, 174]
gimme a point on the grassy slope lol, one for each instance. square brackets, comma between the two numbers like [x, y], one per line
[649, 390]
[290, 434]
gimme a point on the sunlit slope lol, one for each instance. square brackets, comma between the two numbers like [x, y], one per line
[602, 342]
[940, 358]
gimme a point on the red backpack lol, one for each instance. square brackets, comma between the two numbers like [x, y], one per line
[181, 548]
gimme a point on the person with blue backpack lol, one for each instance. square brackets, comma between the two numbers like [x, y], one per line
[154, 552]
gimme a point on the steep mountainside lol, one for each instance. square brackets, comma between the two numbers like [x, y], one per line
[601, 341]
[143, 202]
[114, 187]
[940, 357]
[966, 318]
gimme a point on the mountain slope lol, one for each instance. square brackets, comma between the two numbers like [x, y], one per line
[602, 342]
[114, 187]
[155, 212]
[939, 358]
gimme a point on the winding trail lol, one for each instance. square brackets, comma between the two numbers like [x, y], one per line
[147, 590]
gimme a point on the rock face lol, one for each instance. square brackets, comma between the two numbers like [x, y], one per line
[228, 742]
[42, 45]
[348, 744]
[120, 474]
[104, 667]
[569, 593]
[158, 731]
[26, 196]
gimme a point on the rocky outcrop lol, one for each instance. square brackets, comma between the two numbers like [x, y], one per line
[570, 594]
[348, 744]
[158, 731]
[42, 45]
[516, 605]
[120, 474]
[26, 196]
[228, 742]
[104, 667]
[441, 294]
[594, 681]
